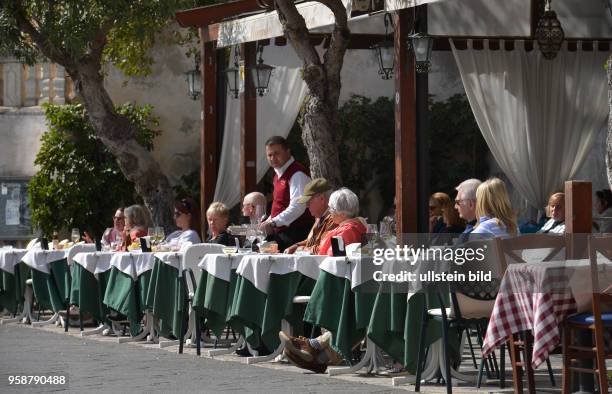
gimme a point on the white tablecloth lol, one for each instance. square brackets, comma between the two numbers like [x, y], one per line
[221, 265]
[9, 258]
[40, 259]
[256, 268]
[76, 249]
[174, 259]
[94, 262]
[132, 263]
[350, 268]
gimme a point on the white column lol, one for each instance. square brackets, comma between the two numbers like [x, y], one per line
[58, 85]
[12, 84]
[29, 80]
[45, 83]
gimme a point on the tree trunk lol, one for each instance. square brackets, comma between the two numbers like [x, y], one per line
[609, 140]
[114, 130]
[320, 118]
[117, 133]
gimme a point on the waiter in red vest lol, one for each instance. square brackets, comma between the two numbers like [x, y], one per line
[289, 221]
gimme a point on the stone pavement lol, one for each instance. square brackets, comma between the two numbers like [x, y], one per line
[92, 365]
[98, 363]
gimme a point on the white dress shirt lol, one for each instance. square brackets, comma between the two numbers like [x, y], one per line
[558, 229]
[296, 189]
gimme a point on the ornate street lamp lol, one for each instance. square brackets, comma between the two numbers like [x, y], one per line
[385, 51]
[549, 33]
[194, 80]
[232, 74]
[261, 73]
[421, 44]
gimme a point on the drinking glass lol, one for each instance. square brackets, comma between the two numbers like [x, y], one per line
[384, 229]
[261, 237]
[251, 234]
[372, 230]
[75, 235]
[159, 234]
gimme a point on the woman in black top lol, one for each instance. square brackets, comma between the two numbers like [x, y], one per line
[217, 217]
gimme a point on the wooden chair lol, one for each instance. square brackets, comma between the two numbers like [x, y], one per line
[594, 321]
[523, 342]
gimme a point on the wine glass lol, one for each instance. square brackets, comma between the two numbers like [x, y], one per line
[159, 234]
[251, 235]
[261, 237]
[75, 235]
[372, 231]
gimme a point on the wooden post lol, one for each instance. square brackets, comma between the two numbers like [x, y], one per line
[405, 128]
[578, 216]
[248, 120]
[422, 137]
[208, 143]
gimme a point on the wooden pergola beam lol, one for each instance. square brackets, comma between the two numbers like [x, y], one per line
[248, 121]
[208, 135]
[205, 16]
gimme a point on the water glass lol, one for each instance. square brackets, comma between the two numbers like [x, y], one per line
[75, 235]
[159, 234]
[251, 234]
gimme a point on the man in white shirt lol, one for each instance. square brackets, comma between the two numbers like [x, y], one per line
[556, 223]
[289, 221]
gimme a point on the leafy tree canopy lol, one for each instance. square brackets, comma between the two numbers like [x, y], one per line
[71, 26]
[79, 183]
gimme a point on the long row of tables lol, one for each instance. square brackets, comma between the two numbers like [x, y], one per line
[251, 293]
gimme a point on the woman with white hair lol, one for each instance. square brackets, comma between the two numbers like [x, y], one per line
[343, 209]
[137, 222]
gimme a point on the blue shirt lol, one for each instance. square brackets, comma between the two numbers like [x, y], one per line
[490, 226]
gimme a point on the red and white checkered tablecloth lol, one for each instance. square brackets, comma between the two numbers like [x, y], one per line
[531, 297]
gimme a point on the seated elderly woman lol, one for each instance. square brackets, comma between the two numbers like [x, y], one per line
[494, 210]
[187, 219]
[217, 216]
[137, 222]
[343, 208]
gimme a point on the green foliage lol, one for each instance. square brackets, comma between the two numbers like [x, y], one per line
[72, 25]
[79, 183]
[458, 151]
[366, 151]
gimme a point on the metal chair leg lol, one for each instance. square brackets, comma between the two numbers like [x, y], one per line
[420, 357]
[198, 332]
[469, 339]
[551, 376]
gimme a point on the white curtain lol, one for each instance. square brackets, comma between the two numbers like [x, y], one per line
[276, 114]
[539, 117]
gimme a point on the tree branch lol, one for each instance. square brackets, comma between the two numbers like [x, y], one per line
[295, 28]
[99, 41]
[57, 55]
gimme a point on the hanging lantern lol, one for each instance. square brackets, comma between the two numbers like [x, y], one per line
[385, 51]
[261, 73]
[232, 75]
[549, 33]
[422, 45]
[194, 80]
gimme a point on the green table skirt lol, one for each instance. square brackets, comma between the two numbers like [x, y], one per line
[127, 296]
[12, 287]
[52, 290]
[8, 293]
[345, 312]
[396, 323]
[259, 315]
[87, 292]
[213, 300]
[167, 299]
